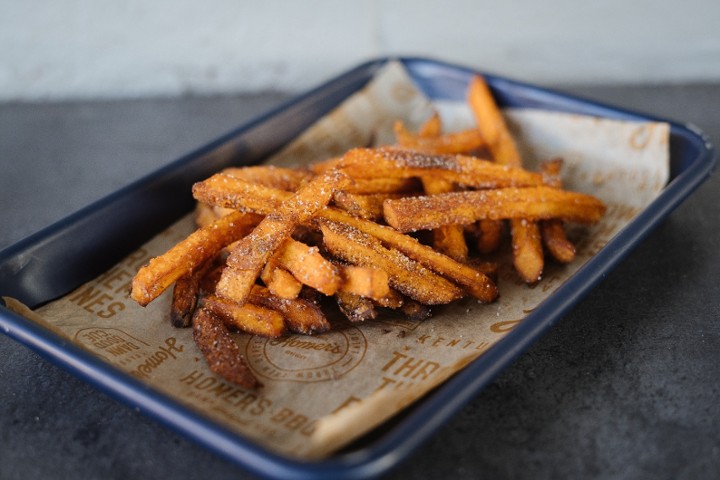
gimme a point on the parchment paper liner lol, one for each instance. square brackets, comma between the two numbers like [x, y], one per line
[322, 392]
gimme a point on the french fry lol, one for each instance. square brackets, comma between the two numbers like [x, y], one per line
[534, 204]
[415, 310]
[368, 206]
[489, 234]
[246, 317]
[460, 169]
[405, 275]
[383, 185]
[527, 247]
[188, 255]
[288, 179]
[465, 141]
[279, 281]
[553, 231]
[236, 194]
[449, 239]
[185, 296]
[556, 241]
[247, 258]
[300, 315]
[222, 354]
[356, 308]
[369, 282]
[432, 127]
[491, 123]
[309, 267]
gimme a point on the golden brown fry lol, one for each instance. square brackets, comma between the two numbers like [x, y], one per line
[536, 203]
[368, 206]
[248, 257]
[557, 243]
[526, 242]
[393, 299]
[288, 179]
[246, 317]
[356, 308]
[489, 235]
[449, 239]
[222, 354]
[228, 191]
[234, 193]
[466, 141]
[553, 231]
[367, 282]
[527, 250]
[405, 275]
[460, 169]
[432, 127]
[309, 266]
[188, 255]
[301, 316]
[491, 123]
[383, 185]
[279, 281]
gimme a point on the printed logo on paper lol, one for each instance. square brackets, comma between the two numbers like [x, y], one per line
[305, 358]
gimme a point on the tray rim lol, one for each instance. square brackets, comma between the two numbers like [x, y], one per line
[436, 407]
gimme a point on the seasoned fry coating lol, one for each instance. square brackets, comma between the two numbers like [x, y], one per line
[222, 354]
[449, 239]
[246, 317]
[406, 275]
[556, 241]
[288, 179]
[309, 267]
[247, 258]
[301, 316]
[233, 194]
[369, 206]
[537, 203]
[367, 282]
[466, 141]
[188, 255]
[461, 169]
[279, 281]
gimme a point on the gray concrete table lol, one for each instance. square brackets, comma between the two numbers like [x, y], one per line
[625, 386]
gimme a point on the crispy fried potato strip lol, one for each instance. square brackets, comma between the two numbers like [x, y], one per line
[466, 141]
[460, 169]
[537, 203]
[201, 246]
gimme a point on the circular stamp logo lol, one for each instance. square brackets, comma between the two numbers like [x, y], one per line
[304, 358]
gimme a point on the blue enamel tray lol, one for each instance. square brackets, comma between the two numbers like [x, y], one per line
[59, 258]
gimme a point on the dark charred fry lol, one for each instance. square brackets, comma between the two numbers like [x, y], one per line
[357, 309]
[222, 354]
[301, 316]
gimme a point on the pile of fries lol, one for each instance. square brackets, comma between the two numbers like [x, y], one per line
[401, 227]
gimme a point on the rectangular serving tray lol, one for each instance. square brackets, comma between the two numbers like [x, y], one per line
[64, 255]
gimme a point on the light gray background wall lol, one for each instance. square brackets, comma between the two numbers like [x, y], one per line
[68, 49]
